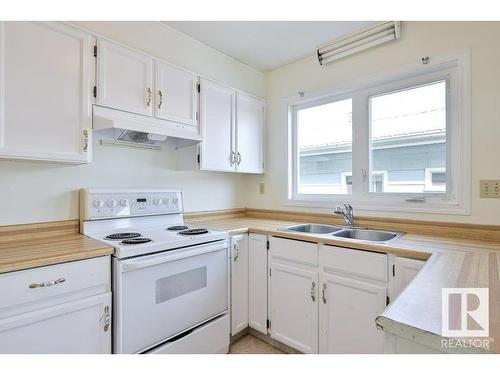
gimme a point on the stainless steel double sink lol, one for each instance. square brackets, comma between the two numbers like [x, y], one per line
[355, 234]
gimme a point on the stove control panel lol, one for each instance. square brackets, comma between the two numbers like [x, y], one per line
[109, 203]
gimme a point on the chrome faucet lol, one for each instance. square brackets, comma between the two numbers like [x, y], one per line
[346, 213]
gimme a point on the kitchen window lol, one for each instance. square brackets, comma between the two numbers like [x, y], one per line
[397, 141]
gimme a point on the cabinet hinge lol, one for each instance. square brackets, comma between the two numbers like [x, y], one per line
[270, 272]
[95, 51]
[267, 245]
[268, 324]
[95, 91]
[393, 270]
[198, 158]
[387, 300]
[198, 88]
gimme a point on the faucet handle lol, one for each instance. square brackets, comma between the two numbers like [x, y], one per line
[338, 210]
[348, 207]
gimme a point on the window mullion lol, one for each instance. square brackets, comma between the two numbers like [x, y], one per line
[360, 144]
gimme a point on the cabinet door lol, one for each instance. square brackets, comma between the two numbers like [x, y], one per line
[176, 95]
[76, 327]
[124, 79]
[294, 307]
[404, 271]
[347, 313]
[217, 126]
[249, 134]
[239, 283]
[257, 282]
[45, 92]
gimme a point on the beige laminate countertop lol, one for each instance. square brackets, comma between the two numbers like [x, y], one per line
[416, 313]
[18, 255]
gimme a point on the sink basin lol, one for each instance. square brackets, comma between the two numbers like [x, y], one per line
[368, 235]
[313, 228]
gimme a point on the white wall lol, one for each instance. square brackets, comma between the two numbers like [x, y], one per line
[38, 192]
[418, 39]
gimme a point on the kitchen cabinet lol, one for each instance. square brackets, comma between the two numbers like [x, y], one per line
[249, 134]
[75, 327]
[294, 307]
[176, 95]
[404, 270]
[293, 293]
[353, 287]
[257, 282]
[239, 283]
[347, 311]
[232, 126]
[45, 92]
[217, 127]
[124, 78]
[63, 308]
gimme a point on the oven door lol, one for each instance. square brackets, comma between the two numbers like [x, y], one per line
[161, 295]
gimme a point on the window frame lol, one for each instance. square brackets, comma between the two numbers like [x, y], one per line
[454, 69]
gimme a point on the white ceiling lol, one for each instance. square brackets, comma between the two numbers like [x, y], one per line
[266, 45]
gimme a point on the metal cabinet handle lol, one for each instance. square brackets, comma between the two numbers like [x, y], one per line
[148, 102]
[107, 319]
[323, 290]
[233, 158]
[47, 283]
[85, 140]
[236, 252]
[313, 291]
[239, 158]
[161, 99]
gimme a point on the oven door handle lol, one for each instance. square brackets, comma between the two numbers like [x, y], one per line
[169, 256]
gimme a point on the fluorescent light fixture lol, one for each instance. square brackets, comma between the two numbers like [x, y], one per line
[356, 42]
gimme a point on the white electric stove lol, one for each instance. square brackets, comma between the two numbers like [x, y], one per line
[170, 280]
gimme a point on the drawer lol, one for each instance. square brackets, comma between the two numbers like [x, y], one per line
[356, 262]
[76, 280]
[294, 250]
[210, 338]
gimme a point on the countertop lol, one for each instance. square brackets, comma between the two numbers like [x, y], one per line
[416, 313]
[19, 255]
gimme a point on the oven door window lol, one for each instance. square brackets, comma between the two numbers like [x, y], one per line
[173, 286]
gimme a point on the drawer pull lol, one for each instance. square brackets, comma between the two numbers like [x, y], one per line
[313, 291]
[47, 283]
[107, 319]
[324, 289]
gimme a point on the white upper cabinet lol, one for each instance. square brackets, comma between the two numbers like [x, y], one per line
[45, 92]
[217, 126]
[249, 134]
[176, 96]
[124, 79]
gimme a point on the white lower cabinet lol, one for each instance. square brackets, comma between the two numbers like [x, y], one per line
[64, 308]
[403, 272]
[257, 282]
[75, 327]
[347, 312]
[294, 307]
[239, 283]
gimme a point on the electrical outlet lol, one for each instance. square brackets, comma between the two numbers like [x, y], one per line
[489, 188]
[261, 187]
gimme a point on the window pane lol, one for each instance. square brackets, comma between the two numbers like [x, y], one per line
[324, 142]
[408, 138]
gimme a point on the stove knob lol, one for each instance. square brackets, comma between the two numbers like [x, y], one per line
[157, 201]
[166, 201]
[111, 203]
[124, 202]
[98, 203]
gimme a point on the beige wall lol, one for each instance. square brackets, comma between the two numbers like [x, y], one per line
[37, 192]
[418, 39]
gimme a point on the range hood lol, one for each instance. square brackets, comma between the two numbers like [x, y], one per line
[121, 127]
